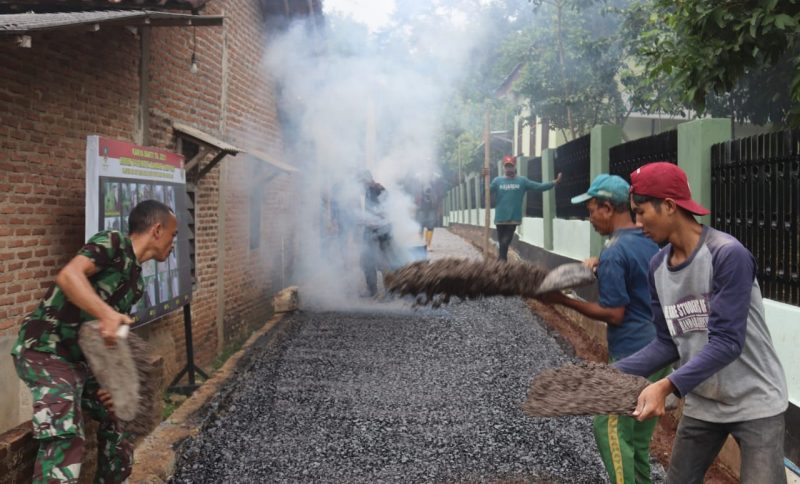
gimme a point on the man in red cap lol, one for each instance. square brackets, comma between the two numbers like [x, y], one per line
[709, 320]
[508, 191]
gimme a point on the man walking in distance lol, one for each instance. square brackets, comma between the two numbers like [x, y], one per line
[508, 191]
[103, 282]
[624, 304]
[709, 319]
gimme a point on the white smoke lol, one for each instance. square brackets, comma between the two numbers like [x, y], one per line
[365, 100]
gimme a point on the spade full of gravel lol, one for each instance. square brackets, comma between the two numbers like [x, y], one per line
[126, 373]
[439, 280]
[583, 389]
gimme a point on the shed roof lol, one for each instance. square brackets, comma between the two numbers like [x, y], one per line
[7, 6]
[25, 23]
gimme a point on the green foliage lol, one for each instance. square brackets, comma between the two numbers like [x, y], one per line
[731, 58]
[461, 139]
[226, 353]
[576, 73]
[644, 94]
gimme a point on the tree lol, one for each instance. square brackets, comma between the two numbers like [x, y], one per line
[642, 93]
[572, 58]
[461, 138]
[734, 58]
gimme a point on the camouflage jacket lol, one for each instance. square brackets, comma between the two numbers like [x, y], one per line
[53, 326]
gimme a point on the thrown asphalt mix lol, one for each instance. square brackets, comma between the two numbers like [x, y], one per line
[389, 393]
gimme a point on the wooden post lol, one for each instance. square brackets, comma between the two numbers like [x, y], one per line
[487, 195]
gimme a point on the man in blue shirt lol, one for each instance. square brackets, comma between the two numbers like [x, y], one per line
[624, 304]
[508, 191]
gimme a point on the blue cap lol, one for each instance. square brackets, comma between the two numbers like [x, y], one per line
[610, 187]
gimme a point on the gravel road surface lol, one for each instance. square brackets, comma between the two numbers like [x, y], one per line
[387, 393]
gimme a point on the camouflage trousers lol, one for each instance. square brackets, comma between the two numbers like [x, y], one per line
[63, 393]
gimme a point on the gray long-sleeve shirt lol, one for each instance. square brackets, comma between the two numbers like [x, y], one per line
[709, 317]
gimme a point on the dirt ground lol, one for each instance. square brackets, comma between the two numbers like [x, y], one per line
[587, 349]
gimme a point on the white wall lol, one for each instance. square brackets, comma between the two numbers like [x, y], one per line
[571, 238]
[532, 231]
[783, 321]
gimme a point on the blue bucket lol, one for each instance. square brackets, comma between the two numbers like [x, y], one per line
[419, 252]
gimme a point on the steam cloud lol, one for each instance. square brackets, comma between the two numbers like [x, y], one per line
[355, 100]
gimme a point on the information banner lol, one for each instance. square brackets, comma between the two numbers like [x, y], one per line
[119, 175]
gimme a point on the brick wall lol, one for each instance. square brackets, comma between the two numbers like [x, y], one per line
[72, 84]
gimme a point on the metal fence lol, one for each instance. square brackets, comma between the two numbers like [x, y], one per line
[755, 196]
[572, 160]
[534, 204]
[627, 157]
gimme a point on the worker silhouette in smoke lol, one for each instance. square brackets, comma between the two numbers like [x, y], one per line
[345, 206]
[377, 232]
[426, 215]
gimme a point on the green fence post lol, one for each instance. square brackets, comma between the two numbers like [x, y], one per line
[478, 185]
[523, 171]
[694, 155]
[463, 200]
[603, 137]
[467, 201]
[445, 211]
[548, 199]
[470, 198]
[458, 203]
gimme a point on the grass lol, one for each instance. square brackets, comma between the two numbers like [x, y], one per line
[226, 353]
[169, 407]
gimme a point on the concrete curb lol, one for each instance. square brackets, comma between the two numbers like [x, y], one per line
[154, 458]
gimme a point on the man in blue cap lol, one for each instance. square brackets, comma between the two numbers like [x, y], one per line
[624, 304]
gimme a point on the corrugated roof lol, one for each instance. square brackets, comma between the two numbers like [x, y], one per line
[24, 23]
[7, 6]
[206, 138]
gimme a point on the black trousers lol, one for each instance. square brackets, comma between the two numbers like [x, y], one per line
[374, 258]
[505, 234]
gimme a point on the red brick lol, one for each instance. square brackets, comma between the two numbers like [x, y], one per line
[55, 104]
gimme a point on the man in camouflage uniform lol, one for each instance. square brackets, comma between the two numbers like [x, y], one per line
[102, 282]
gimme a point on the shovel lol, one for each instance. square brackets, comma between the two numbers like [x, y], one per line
[114, 367]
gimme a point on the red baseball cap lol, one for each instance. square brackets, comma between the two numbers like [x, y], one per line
[509, 160]
[665, 180]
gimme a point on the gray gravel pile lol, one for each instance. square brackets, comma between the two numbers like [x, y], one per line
[586, 388]
[395, 395]
[465, 279]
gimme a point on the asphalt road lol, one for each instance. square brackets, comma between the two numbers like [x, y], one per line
[387, 393]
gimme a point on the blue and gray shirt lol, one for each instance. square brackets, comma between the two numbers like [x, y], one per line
[622, 280]
[709, 318]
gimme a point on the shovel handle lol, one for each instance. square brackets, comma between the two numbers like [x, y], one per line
[122, 332]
